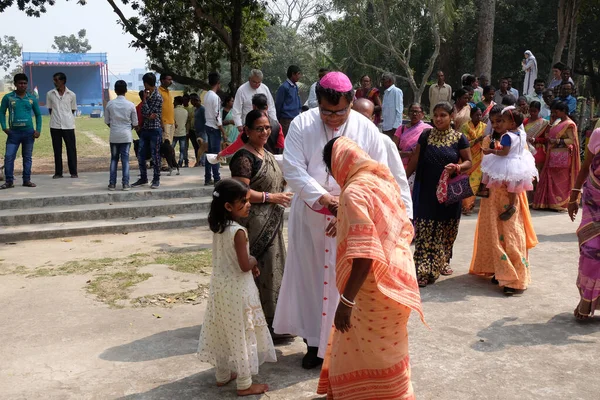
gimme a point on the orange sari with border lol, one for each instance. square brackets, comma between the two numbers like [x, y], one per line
[371, 361]
[501, 248]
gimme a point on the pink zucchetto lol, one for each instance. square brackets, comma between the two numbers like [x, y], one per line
[337, 81]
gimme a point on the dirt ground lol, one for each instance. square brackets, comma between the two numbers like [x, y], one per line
[74, 325]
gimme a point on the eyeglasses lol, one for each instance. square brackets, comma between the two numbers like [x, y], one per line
[262, 129]
[338, 112]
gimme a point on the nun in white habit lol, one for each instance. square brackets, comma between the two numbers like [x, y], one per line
[531, 72]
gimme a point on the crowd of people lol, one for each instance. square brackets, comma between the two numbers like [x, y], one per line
[352, 223]
[363, 185]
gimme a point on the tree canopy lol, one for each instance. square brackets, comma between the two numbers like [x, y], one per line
[10, 52]
[72, 43]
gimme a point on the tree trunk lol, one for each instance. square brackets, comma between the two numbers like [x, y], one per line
[563, 31]
[485, 38]
[235, 57]
[573, 13]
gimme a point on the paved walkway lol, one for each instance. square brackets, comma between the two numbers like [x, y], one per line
[96, 182]
[58, 342]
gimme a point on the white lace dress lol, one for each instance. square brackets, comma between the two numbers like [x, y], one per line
[234, 331]
[516, 171]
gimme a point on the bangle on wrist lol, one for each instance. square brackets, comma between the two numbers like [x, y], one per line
[347, 302]
[266, 197]
[263, 197]
[576, 190]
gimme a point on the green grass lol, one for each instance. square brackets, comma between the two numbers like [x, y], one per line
[75, 267]
[85, 146]
[188, 262]
[110, 288]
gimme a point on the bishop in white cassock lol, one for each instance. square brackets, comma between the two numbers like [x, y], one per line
[308, 297]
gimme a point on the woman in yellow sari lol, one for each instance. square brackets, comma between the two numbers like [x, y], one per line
[473, 130]
[562, 162]
[367, 356]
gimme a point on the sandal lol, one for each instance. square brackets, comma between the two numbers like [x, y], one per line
[447, 271]
[423, 282]
[579, 316]
[494, 280]
[29, 184]
[7, 185]
[508, 291]
[506, 215]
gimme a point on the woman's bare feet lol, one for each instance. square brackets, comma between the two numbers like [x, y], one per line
[231, 378]
[581, 314]
[256, 388]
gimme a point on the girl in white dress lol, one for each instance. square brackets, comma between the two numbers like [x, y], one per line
[510, 164]
[235, 337]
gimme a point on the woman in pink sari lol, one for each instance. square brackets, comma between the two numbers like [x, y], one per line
[588, 279]
[562, 162]
[407, 136]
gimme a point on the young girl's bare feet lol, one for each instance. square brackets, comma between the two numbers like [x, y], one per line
[256, 388]
[231, 378]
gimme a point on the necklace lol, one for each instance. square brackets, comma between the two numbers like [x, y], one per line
[261, 155]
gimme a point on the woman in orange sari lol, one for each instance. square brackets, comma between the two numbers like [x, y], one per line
[367, 355]
[501, 248]
[562, 162]
[473, 130]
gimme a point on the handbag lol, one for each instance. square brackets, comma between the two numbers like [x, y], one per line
[559, 157]
[451, 191]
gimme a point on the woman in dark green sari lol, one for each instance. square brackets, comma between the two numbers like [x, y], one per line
[256, 167]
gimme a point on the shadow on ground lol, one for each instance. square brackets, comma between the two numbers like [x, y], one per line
[177, 342]
[201, 386]
[182, 247]
[560, 330]
[458, 288]
[559, 237]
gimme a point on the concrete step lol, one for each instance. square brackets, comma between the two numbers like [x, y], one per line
[104, 196]
[141, 207]
[116, 225]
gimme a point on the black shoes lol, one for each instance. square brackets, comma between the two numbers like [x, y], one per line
[311, 359]
[139, 182]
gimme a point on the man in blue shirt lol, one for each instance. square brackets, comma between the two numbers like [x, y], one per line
[392, 106]
[567, 89]
[20, 131]
[287, 101]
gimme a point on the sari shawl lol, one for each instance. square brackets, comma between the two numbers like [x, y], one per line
[230, 129]
[265, 233]
[485, 110]
[409, 136]
[588, 279]
[461, 117]
[473, 133]
[555, 184]
[535, 130]
[371, 360]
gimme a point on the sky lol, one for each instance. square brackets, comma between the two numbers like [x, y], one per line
[66, 18]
